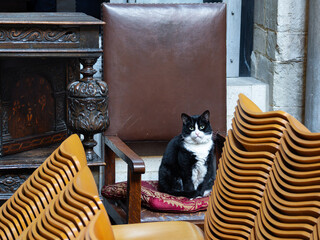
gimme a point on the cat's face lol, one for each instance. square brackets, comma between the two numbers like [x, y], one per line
[196, 129]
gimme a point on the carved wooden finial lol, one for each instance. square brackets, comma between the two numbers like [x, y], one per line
[88, 106]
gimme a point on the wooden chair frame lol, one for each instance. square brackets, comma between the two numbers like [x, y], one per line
[114, 146]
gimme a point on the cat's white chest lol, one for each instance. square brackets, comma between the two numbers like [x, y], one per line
[201, 152]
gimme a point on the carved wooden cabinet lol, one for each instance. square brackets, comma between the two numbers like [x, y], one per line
[40, 55]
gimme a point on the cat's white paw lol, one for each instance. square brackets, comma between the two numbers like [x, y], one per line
[207, 193]
[195, 197]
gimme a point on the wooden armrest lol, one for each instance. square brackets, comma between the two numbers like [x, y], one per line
[135, 163]
[136, 167]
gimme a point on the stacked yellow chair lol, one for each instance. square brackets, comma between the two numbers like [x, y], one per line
[257, 130]
[244, 169]
[290, 207]
[60, 200]
[72, 213]
[41, 188]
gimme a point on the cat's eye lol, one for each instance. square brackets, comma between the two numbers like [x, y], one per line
[191, 128]
[201, 127]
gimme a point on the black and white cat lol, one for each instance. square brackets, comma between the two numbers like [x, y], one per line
[188, 164]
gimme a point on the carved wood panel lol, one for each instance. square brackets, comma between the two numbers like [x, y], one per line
[33, 101]
[39, 56]
[40, 34]
[9, 183]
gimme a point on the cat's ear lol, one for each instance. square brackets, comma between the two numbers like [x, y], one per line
[184, 118]
[206, 115]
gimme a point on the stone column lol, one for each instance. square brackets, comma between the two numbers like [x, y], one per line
[312, 108]
[279, 52]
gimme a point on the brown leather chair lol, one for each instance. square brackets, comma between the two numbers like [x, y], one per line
[159, 60]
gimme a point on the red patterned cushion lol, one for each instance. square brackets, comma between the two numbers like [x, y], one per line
[153, 199]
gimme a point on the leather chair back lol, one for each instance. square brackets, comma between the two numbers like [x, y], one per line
[162, 62]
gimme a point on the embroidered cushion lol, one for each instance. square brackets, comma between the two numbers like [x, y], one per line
[155, 200]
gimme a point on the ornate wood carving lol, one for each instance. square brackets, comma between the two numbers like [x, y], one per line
[10, 183]
[33, 103]
[19, 34]
[43, 46]
[88, 106]
[24, 145]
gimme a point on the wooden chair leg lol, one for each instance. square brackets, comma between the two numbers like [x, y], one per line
[110, 166]
[133, 197]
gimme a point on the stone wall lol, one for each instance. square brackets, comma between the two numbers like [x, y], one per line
[279, 52]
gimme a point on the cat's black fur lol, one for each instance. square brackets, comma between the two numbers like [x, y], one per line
[180, 161]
